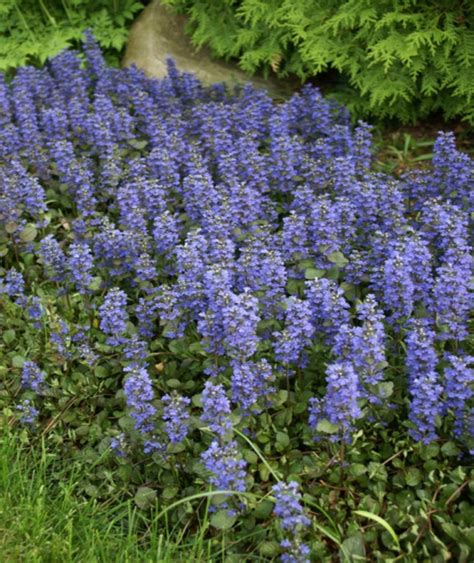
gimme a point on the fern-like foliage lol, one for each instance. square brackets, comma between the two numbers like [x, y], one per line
[31, 31]
[399, 58]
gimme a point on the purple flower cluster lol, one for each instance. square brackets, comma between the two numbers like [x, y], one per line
[12, 283]
[459, 389]
[80, 264]
[226, 466]
[368, 345]
[139, 397]
[290, 343]
[113, 314]
[255, 233]
[340, 404]
[292, 520]
[176, 417]
[28, 413]
[216, 408]
[32, 377]
[250, 382]
[423, 381]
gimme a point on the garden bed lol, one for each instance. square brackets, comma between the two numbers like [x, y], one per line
[220, 306]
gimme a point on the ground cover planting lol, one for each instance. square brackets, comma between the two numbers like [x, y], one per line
[216, 299]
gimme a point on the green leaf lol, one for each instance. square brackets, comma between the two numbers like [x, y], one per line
[9, 336]
[283, 439]
[313, 273]
[327, 427]
[338, 258]
[222, 520]
[263, 509]
[357, 469]
[197, 348]
[269, 549]
[353, 548]
[29, 233]
[450, 449]
[451, 530]
[18, 361]
[145, 497]
[413, 477]
[385, 389]
[170, 492]
[96, 283]
[101, 372]
[11, 227]
[250, 457]
[138, 144]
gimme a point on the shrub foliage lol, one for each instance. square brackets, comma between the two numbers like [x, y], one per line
[399, 60]
[31, 31]
[221, 290]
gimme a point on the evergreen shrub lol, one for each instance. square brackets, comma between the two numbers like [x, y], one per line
[31, 31]
[399, 59]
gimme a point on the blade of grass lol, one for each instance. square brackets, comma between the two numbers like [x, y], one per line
[382, 522]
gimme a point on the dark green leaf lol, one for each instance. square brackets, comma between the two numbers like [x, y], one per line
[145, 497]
[222, 520]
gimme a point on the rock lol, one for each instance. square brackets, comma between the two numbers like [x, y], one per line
[158, 33]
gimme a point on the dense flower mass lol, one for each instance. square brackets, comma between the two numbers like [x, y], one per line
[228, 265]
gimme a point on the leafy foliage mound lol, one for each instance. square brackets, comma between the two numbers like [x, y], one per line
[221, 289]
[31, 31]
[399, 60]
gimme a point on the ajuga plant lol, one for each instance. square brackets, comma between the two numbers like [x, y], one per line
[396, 59]
[33, 30]
[221, 289]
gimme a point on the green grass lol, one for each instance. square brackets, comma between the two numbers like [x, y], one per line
[44, 519]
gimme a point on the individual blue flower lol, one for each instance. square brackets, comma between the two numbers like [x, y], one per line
[295, 551]
[35, 310]
[240, 320]
[60, 342]
[166, 232]
[135, 350]
[398, 286]
[118, 444]
[452, 294]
